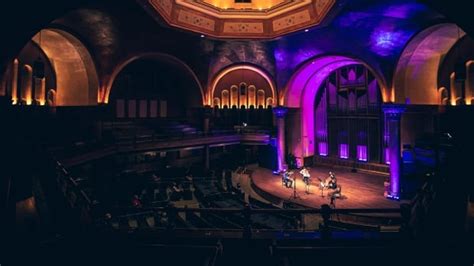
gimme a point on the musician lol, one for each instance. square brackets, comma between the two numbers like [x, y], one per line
[287, 180]
[306, 178]
[332, 181]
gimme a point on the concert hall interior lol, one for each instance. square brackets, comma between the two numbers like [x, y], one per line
[229, 132]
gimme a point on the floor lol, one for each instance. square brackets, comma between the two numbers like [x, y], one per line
[359, 190]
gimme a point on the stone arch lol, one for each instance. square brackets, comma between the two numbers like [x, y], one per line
[241, 67]
[416, 76]
[161, 57]
[302, 89]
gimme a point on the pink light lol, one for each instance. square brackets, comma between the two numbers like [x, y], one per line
[387, 155]
[343, 151]
[323, 148]
[362, 153]
[301, 92]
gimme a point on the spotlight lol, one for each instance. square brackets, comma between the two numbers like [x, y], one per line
[306, 30]
[202, 35]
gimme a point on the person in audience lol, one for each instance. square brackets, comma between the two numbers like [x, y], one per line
[136, 202]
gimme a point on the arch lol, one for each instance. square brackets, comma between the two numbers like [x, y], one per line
[232, 68]
[443, 96]
[234, 97]
[216, 102]
[416, 76]
[303, 87]
[77, 81]
[157, 56]
[252, 93]
[260, 98]
[225, 99]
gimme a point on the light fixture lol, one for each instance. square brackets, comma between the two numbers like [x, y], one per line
[306, 30]
[202, 36]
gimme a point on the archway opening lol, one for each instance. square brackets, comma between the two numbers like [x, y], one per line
[301, 93]
[154, 86]
[54, 68]
[416, 76]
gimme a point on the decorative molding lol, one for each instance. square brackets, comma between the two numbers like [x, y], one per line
[290, 16]
[239, 27]
[321, 6]
[291, 20]
[196, 20]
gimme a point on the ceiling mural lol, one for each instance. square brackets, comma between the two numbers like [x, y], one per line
[256, 19]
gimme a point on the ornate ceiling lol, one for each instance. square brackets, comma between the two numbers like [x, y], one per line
[257, 19]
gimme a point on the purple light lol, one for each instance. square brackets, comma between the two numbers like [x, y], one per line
[323, 148]
[385, 41]
[387, 155]
[343, 151]
[362, 153]
[301, 93]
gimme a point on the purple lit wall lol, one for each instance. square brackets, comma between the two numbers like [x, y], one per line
[362, 153]
[323, 148]
[343, 151]
[301, 93]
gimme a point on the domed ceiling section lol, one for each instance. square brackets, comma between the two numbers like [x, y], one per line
[254, 19]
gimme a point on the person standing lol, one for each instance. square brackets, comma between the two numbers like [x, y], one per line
[306, 178]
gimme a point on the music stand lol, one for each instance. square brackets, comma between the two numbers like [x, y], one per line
[321, 187]
[295, 194]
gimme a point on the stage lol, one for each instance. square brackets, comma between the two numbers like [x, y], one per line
[359, 190]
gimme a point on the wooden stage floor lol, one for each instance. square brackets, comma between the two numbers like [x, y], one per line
[359, 190]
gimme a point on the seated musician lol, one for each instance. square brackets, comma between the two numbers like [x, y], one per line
[287, 180]
[331, 181]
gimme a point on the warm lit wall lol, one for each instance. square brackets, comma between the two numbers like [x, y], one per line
[416, 76]
[252, 79]
[76, 78]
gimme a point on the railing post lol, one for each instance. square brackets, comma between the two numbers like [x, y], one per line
[324, 228]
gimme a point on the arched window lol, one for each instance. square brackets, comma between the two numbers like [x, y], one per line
[243, 95]
[261, 98]
[252, 96]
[443, 96]
[269, 102]
[216, 102]
[225, 99]
[234, 96]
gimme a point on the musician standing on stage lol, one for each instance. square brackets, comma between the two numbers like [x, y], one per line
[305, 173]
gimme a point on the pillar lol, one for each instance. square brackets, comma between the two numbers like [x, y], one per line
[14, 81]
[40, 91]
[26, 85]
[393, 113]
[280, 113]
[207, 118]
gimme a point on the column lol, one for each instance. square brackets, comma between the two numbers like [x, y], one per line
[40, 93]
[14, 81]
[280, 113]
[207, 118]
[26, 85]
[393, 113]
